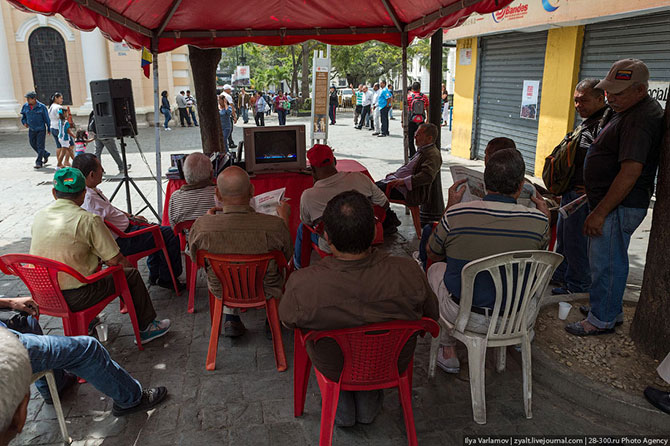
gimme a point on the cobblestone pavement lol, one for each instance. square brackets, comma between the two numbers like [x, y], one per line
[246, 401]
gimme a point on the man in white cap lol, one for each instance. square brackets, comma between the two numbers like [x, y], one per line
[227, 93]
[619, 173]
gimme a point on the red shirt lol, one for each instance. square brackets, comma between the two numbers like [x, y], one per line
[420, 96]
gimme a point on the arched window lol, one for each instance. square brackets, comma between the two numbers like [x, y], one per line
[48, 60]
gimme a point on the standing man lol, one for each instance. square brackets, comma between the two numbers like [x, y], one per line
[109, 143]
[190, 105]
[359, 104]
[375, 126]
[619, 174]
[417, 104]
[384, 102]
[183, 113]
[227, 92]
[367, 102]
[390, 88]
[574, 273]
[35, 117]
[243, 104]
[332, 104]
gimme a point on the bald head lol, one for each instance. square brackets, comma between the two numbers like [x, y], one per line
[233, 186]
[15, 373]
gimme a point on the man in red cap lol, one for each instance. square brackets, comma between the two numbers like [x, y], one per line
[619, 172]
[328, 182]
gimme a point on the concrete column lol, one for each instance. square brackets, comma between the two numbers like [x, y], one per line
[8, 105]
[96, 63]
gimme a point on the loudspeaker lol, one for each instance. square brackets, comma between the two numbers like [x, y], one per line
[114, 108]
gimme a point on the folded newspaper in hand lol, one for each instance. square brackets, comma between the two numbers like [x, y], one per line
[267, 203]
[475, 189]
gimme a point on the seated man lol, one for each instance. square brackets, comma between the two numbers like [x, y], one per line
[328, 182]
[470, 231]
[25, 354]
[357, 286]
[196, 197]
[238, 229]
[98, 204]
[412, 181]
[64, 232]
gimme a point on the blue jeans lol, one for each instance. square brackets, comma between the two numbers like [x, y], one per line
[425, 235]
[384, 114]
[37, 139]
[281, 115]
[158, 269]
[226, 134]
[608, 258]
[168, 116]
[245, 114]
[191, 111]
[571, 242]
[298, 245]
[87, 358]
[54, 133]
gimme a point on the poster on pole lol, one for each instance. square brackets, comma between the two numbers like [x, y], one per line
[529, 97]
[320, 77]
[242, 76]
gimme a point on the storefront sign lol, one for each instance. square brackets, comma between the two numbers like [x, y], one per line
[529, 98]
[465, 56]
[541, 13]
[659, 91]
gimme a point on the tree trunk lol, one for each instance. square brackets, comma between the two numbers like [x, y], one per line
[304, 77]
[294, 75]
[203, 67]
[651, 329]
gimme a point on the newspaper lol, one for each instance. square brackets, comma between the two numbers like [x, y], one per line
[475, 189]
[267, 203]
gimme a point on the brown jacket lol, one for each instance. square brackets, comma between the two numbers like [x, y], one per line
[425, 172]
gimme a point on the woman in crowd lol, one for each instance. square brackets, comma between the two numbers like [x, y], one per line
[281, 107]
[165, 109]
[260, 107]
[225, 114]
[54, 109]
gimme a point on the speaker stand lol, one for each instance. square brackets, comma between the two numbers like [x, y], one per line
[128, 181]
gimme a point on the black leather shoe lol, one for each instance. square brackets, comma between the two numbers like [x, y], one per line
[233, 329]
[584, 309]
[181, 286]
[658, 398]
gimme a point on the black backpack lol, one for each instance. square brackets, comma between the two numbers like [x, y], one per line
[91, 122]
[417, 109]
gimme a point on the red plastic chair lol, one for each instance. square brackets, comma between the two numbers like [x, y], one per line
[180, 231]
[241, 278]
[414, 210]
[308, 245]
[370, 362]
[159, 244]
[41, 277]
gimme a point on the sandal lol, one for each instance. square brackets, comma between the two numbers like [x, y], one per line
[577, 329]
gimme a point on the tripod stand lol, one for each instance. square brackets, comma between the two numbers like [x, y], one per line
[128, 181]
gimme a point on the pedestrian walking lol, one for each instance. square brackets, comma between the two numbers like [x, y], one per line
[366, 103]
[281, 107]
[35, 117]
[190, 107]
[417, 104]
[332, 104]
[358, 95]
[227, 93]
[55, 107]
[243, 104]
[165, 109]
[108, 143]
[261, 107]
[225, 113]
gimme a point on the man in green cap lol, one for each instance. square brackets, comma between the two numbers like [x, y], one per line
[65, 232]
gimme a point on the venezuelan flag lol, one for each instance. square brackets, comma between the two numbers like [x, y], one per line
[147, 59]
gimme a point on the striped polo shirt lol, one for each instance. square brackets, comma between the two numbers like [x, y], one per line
[190, 202]
[477, 229]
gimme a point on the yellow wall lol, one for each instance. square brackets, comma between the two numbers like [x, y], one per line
[464, 90]
[561, 70]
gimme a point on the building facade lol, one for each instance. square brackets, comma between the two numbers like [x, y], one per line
[516, 69]
[46, 55]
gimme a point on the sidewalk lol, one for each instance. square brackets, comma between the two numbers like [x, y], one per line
[246, 401]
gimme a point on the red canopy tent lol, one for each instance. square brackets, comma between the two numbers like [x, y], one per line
[164, 25]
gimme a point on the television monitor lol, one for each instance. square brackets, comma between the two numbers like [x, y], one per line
[275, 148]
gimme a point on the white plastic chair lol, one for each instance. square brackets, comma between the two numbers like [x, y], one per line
[512, 327]
[53, 389]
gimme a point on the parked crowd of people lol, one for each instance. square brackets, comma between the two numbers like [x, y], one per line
[616, 158]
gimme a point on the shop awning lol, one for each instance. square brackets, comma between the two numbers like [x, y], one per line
[212, 24]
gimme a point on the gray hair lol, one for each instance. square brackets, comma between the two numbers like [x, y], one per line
[197, 167]
[15, 376]
[504, 172]
[590, 84]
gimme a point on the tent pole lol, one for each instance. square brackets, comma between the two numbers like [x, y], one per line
[159, 189]
[403, 92]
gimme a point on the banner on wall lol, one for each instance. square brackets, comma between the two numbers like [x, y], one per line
[529, 98]
[659, 91]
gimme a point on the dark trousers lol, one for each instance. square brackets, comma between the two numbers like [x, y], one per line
[191, 111]
[384, 115]
[391, 218]
[411, 130]
[37, 139]
[357, 112]
[574, 271]
[183, 115]
[331, 113]
[81, 298]
[259, 117]
[158, 269]
[231, 143]
[281, 114]
[364, 115]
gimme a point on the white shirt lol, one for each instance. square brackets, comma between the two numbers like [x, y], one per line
[96, 203]
[53, 115]
[375, 95]
[228, 97]
[367, 98]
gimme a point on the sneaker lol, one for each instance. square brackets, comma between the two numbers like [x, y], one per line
[150, 398]
[37, 166]
[451, 365]
[381, 136]
[155, 330]
[168, 128]
[233, 329]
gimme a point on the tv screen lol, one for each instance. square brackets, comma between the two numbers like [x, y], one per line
[275, 147]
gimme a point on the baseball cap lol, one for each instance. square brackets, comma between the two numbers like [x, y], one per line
[31, 95]
[320, 155]
[623, 74]
[69, 180]
[227, 87]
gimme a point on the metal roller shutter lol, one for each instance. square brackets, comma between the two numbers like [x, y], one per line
[506, 61]
[644, 37]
